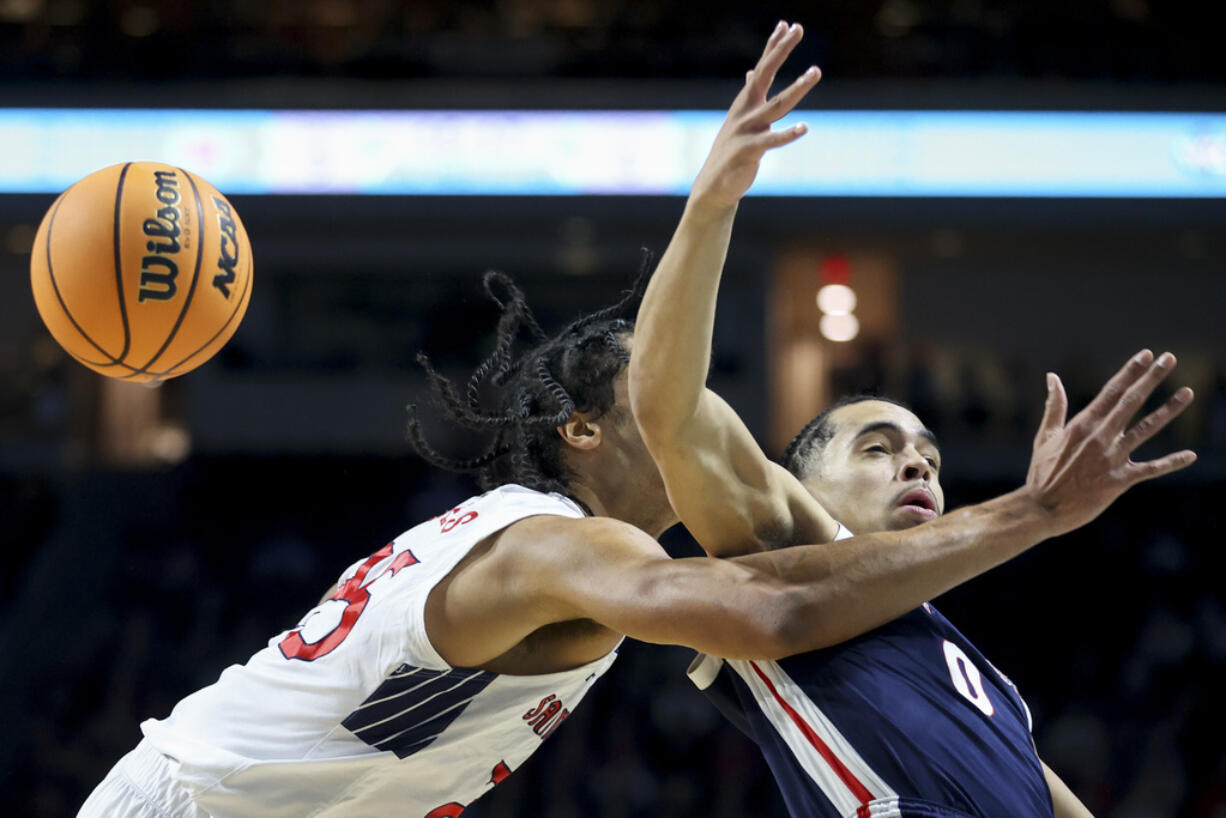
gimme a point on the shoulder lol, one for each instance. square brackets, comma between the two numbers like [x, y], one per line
[550, 539]
[516, 500]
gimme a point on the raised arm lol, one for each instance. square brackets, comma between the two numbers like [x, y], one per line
[729, 494]
[773, 604]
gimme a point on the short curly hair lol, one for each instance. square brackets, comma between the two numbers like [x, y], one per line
[803, 453]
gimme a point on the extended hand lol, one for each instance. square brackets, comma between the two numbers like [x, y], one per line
[746, 133]
[1080, 468]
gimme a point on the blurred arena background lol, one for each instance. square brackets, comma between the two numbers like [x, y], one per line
[151, 537]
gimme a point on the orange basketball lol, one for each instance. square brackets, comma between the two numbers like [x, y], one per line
[141, 271]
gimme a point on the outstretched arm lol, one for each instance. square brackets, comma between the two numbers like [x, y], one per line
[726, 491]
[1078, 467]
[777, 603]
[729, 494]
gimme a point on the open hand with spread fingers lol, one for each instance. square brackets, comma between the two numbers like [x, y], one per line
[1080, 467]
[746, 134]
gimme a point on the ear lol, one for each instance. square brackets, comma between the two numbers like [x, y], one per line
[581, 433]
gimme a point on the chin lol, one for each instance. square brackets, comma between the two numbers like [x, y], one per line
[902, 523]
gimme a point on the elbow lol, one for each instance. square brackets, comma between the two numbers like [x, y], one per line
[659, 416]
[641, 389]
[641, 403]
[796, 623]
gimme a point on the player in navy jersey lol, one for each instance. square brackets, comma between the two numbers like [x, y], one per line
[906, 718]
[909, 719]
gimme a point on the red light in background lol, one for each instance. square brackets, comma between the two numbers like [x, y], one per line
[834, 269]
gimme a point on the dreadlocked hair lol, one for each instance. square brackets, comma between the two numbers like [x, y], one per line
[535, 392]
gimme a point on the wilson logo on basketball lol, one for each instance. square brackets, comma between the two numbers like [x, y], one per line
[161, 285]
[141, 271]
[227, 259]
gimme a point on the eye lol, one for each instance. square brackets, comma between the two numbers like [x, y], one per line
[877, 447]
[932, 461]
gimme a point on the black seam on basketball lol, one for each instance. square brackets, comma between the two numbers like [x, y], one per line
[123, 310]
[241, 302]
[195, 277]
[103, 364]
[112, 360]
[100, 365]
[204, 346]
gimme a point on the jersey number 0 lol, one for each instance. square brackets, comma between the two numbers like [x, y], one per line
[966, 678]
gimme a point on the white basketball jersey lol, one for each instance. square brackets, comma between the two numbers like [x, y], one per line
[354, 713]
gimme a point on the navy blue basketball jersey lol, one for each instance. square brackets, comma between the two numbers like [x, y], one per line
[905, 721]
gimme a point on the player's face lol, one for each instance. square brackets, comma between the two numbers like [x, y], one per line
[880, 470]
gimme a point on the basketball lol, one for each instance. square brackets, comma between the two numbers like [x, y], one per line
[141, 271]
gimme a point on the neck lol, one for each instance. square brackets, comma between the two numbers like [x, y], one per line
[623, 502]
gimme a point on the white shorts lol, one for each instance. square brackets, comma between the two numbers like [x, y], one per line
[140, 786]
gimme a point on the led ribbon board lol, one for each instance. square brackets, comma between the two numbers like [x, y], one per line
[573, 153]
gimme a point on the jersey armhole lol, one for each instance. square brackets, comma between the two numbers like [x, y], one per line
[703, 670]
[708, 675]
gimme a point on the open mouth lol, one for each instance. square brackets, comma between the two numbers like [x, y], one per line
[921, 502]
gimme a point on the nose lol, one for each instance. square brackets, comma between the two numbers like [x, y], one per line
[915, 466]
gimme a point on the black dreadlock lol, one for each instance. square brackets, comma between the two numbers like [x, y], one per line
[538, 390]
[801, 454]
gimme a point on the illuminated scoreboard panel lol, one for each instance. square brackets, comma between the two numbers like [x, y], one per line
[653, 153]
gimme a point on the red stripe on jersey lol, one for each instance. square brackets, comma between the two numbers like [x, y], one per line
[845, 775]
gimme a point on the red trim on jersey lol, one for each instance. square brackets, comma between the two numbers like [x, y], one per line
[845, 775]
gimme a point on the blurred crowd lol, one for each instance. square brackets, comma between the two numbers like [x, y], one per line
[156, 40]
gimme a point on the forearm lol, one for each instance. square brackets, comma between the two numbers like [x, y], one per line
[672, 342]
[672, 346]
[845, 588]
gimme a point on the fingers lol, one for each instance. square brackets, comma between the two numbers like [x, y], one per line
[1155, 421]
[778, 47]
[1136, 394]
[774, 139]
[783, 102]
[1056, 408]
[781, 29]
[752, 110]
[752, 75]
[1089, 418]
[1140, 472]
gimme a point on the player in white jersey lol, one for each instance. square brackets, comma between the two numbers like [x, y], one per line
[442, 659]
[321, 721]
[838, 726]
